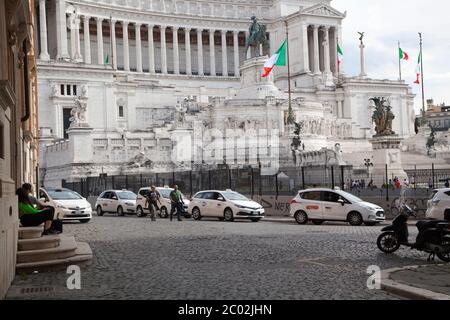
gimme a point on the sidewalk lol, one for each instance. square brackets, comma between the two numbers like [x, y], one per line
[430, 282]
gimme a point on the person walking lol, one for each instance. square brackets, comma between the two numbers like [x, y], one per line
[176, 198]
[152, 200]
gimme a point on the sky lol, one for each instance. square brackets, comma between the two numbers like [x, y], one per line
[385, 22]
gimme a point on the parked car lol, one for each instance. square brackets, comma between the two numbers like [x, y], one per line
[438, 204]
[116, 201]
[68, 204]
[225, 205]
[320, 205]
[165, 206]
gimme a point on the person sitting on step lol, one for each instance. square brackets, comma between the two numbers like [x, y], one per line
[31, 217]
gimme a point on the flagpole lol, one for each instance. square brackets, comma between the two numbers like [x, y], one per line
[290, 118]
[399, 63]
[421, 73]
[111, 40]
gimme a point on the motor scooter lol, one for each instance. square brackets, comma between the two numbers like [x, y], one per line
[433, 237]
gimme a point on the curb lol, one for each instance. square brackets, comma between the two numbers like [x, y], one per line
[406, 291]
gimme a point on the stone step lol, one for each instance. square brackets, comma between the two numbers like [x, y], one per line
[30, 232]
[83, 255]
[66, 249]
[45, 242]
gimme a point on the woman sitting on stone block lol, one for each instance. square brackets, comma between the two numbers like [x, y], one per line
[32, 217]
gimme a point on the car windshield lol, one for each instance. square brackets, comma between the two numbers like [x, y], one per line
[127, 195]
[64, 195]
[350, 197]
[234, 196]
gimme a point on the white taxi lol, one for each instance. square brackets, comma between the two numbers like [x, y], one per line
[438, 205]
[68, 204]
[165, 206]
[320, 205]
[116, 201]
[225, 205]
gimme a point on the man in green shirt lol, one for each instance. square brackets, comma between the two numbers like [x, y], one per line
[176, 198]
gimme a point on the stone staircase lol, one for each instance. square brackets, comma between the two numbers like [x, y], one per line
[43, 253]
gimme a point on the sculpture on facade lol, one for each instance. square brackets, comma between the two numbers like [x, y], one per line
[140, 161]
[382, 117]
[180, 116]
[257, 37]
[78, 114]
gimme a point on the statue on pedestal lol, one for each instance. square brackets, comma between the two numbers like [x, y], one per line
[257, 37]
[383, 118]
[78, 114]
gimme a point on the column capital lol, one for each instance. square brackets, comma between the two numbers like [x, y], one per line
[175, 28]
[125, 23]
[113, 21]
[150, 26]
[86, 17]
[224, 31]
[187, 29]
[99, 19]
[162, 27]
[137, 25]
[211, 30]
[236, 32]
[315, 26]
[199, 30]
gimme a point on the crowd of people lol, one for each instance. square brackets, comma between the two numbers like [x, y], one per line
[33, 213]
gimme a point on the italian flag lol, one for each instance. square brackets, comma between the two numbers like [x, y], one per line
[402, 54]
[278, 59]
[418, 70]
[340, 55]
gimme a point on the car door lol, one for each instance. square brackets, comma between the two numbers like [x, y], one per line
[142, 198]
[104, 201]
[216, 204]
[333, 209]
[205, 204]
[114, 202]
[312, 204]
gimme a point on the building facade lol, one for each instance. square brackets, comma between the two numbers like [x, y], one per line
[18, 123]
[133, 65]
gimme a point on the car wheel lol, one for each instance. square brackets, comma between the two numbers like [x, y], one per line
[163, 213]
[388, 242]
[84, 220]
[256, 219]
[196, 214]
[140, 212]
[301, 217]
[444, 256]
[355, 219]
[228, 215]
[120, 212]
[100, 211]
[318, 222]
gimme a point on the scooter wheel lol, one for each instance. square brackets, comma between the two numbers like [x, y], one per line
[388, 242]
[444, 256]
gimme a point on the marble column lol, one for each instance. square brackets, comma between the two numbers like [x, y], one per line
[151, 49]
[100, 57]
[224, 54]
[176, 55]
[326, 50]
[138, 47]
[201, 72]
[316, 50]
[187, 40]
[61, 30]
[362, 74]
[126, 49]
[87, 40]
[212, 53]
[43, 31]
[113, 43]
[75, 38]
[305, 48]
[236, 53]
[71, 22]
[163, 50]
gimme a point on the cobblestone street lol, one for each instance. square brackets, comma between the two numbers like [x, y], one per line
[140, 259]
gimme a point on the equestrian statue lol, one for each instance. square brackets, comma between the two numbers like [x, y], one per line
[257, 37]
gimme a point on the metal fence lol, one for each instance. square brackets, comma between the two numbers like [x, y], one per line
[249, 180]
